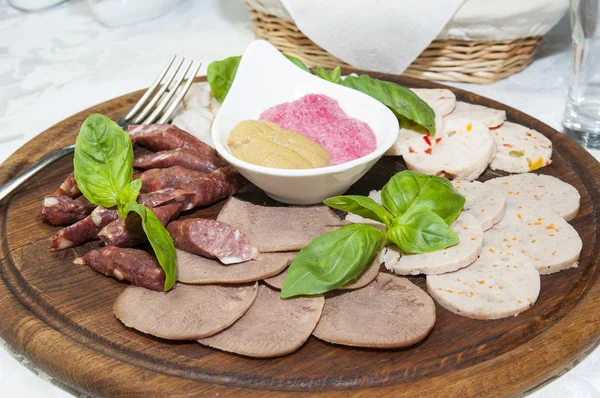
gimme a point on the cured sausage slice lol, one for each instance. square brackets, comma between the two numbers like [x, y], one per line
[495, 286]
[175, 157]
[186, 312]
[199, 270]
[520, 149]
[68, 187]
[62, 210]
[212, 239]
[454, 257]
[272, 327]
[84, 230]
[172, 177]
[390, 312]
[538, 190]
[491, 117]
[128, 232]
[366, 277]
[462, 153]
[275, 229]
[133, 265]
[485, 202]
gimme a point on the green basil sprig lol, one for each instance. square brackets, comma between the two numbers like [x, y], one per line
[408, 188]
[103, 166]
[297, 62]
[333, 75]
[362, 206]
[332, 260]
[220, 75]
[399, 99]
[420, 230]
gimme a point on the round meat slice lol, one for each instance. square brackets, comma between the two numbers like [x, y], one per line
[546, 238]
[441, 100]
[390, 312]
[520, 149]
[186, 312]
[493, 287]
[462, 153]
[538, 190]
[486, 203]
[199, 270]
[272, 327]
[455, 257]
[491, 117]
[367, 276]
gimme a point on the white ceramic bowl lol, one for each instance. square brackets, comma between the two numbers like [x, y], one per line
[266, 78]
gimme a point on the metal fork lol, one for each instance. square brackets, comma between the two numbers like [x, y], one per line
[145, 111]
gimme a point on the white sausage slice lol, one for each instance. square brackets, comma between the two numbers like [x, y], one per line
[495, 286]
[538, 190]
[544, 236]
[520, 149]
[462, 153]
[441, 100]
[491, 117]
[484, 202]
[455, 257]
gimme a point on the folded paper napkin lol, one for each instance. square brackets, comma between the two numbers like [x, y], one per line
[384, 35]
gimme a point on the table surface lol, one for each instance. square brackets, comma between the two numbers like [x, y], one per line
[56, 62]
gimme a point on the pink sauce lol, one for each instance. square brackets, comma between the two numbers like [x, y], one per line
[321, 119]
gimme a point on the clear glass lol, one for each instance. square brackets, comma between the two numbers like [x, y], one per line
[581, 120]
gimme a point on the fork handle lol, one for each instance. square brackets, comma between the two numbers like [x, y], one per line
[11, 185]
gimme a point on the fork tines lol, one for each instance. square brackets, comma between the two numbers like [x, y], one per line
[162, 104]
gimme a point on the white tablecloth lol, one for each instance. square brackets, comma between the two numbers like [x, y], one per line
[57, 62]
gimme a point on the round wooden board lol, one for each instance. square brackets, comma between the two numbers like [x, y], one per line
[59, 315]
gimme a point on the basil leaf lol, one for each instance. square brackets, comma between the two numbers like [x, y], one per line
[130, 193]
[297, 62]
[361, 205]
[408, 188]
[421, 231]
[103, 160]
[220, 75]
[332, 260]
[399, 99]
[161, 241]
[332, 75]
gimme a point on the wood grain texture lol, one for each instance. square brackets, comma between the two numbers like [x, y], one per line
[59, 314]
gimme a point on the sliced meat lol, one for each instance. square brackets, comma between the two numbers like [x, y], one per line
[84, 230]
[485, 202]
[68, 187]
[212, 239]
[186, 312]
[544, 236]
[128, 232]
[366, 277]
[272, 327]
[390, 312]
[495, 286]
[202, 191]
[441, 100]
[540, 190]
[199, 270]
[164, 137]
[133, 265]
[491, 117]
[462, 153]
[520, 149]
[439, 262]
[275, 229]
[175, 157]
[172, 177]
[62, 210]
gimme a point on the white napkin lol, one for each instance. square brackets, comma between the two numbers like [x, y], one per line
[383, 35]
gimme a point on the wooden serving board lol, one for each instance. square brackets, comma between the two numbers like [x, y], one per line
[59, 315]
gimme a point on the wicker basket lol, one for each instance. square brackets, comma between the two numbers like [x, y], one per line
[449, 60]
